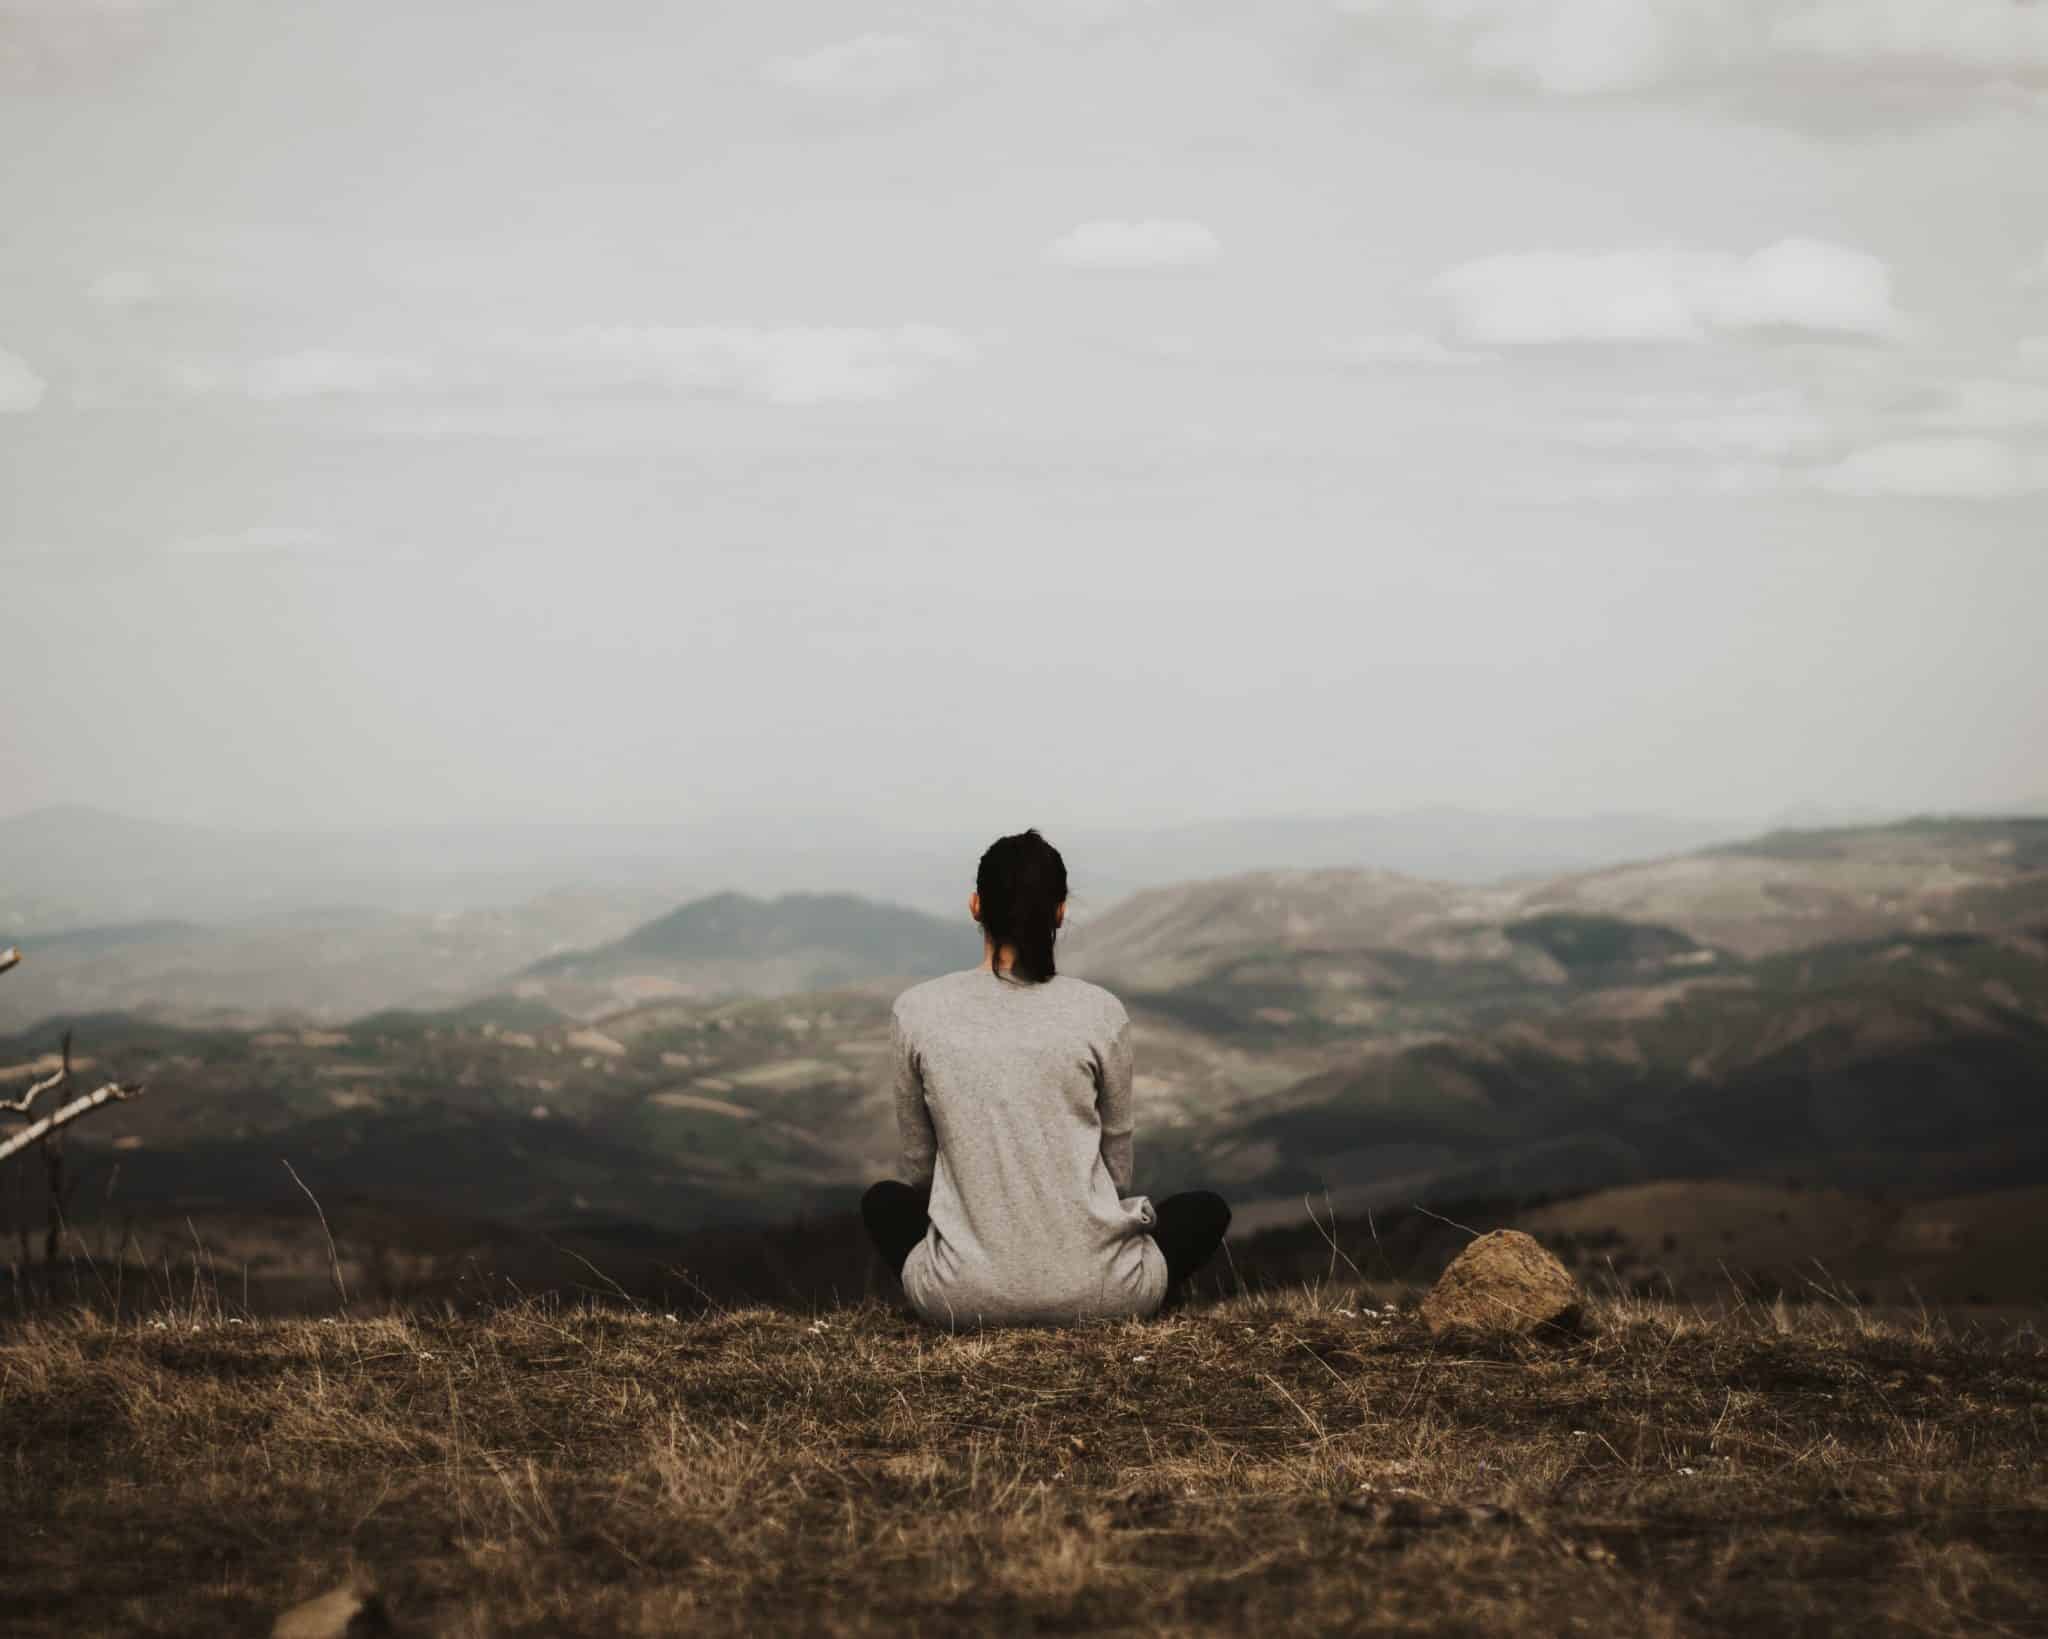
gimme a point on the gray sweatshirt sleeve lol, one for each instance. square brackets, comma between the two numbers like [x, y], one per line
[913, 1116]
[1113, 1101]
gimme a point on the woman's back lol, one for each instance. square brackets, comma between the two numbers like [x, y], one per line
[1014, 1098]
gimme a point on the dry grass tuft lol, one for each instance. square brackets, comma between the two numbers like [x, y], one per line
[540, 1469]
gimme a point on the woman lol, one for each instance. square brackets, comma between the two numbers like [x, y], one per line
[1013, 1101]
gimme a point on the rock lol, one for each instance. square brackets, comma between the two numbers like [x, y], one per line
[1504, 1280]
[351, 1611]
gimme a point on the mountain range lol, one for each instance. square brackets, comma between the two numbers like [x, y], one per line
[204, 926]
[75, 866]
[1859, 1009]
[195, 926]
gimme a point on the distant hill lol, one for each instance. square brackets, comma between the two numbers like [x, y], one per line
[734, 944]
[1794, 888]
[1910, 1064]
[73, 866]
[308, 966]
[1867, 1004]
[1437, 843]
[1773, 893]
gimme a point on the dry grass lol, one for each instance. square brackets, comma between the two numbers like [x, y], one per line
[540, 1469]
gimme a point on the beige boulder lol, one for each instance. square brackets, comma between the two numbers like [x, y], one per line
[354, 1610]
[1504, 1280]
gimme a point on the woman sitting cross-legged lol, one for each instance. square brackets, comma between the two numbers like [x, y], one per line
[1013, 1101]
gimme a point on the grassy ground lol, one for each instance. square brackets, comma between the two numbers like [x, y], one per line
[532, 1468]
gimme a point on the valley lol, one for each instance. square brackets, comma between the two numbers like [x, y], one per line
[1858, 1012]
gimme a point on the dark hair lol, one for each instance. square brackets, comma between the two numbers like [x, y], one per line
[1021, 881]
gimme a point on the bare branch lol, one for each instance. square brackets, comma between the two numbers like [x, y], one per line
[11, 957]
[70, 1112]
[56, 1078]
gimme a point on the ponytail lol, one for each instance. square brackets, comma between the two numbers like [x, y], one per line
[1022, 882]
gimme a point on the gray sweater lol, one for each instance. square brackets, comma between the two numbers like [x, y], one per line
[1014, 1100]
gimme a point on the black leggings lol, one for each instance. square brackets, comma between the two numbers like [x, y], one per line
[1190, 1226]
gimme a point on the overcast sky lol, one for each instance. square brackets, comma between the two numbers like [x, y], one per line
[983, 414]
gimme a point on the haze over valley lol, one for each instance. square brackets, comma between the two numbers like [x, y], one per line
[190, 922]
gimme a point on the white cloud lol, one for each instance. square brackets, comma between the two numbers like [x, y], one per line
[1590, 47]
[1093, 13]
[873, 67]
[789, 365]
[1687, 443]
[1538, 297]
[1936, 468]
[260, 538]
[46, 43]
[1990, 405]
[778, 366]
[1989, 36]
[1742, 478]
[21, 389]
[123, 290]
[1799, 284]
[315, 372]
[1405, 349]
[1647, 482]
[1529, 298]
[1146, 244]
[1762, 433]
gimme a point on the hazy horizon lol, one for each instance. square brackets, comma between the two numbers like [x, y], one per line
[81, 868]
[716, 820]
[1110, 413]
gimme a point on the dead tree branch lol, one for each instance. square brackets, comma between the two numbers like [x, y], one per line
[60, 1077]
[70, 1112]
[56, 1078]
